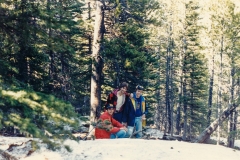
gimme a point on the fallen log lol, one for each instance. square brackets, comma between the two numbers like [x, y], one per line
[172, 138]
[213, 126]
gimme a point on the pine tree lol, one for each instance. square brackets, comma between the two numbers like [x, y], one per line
[233, 54]
[36, 114]
[32, 33]
[223, 39]
[132, 59]
[194, 73]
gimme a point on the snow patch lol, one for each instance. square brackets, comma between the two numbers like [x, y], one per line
[127, 149]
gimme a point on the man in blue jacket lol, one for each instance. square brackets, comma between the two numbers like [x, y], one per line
[136, 112]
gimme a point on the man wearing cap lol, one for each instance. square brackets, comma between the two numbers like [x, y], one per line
[107, 127]
[136, 112]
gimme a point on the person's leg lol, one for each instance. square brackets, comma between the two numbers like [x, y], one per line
[130, 131]
[121, 134]
[138, 123]
[112, 136]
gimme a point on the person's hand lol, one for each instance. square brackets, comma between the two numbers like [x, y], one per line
[143, 117]
[131, 95]
[124, 128]
[124, 124]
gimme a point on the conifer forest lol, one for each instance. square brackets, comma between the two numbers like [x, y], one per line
[59, 59]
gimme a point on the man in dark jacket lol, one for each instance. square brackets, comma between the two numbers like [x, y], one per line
[107, 127]
[136, 112]
[118, 98]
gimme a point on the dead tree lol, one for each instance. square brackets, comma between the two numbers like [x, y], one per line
[209, 130]
[95, 101]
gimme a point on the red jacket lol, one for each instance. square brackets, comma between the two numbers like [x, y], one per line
[106, 125]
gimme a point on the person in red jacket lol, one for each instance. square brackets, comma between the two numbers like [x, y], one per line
[107, 127]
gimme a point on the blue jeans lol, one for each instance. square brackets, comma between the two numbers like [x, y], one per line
[138, 127]
[120, 134]
[130, 131]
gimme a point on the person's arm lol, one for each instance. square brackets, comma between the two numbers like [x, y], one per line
[145, 112]
[108, 124]
[125, 111]
[117, 126]
[115, 123]
[144, 105]
[110, 100]
[116, 129]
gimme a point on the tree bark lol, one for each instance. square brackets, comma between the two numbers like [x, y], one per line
[209, 130]
[210, 93]
[167, 91]
[95, 100]
[231, 103]
[220, 89]
[180, 95]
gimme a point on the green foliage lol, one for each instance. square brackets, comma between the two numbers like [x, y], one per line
[46, 68]
[127, 56]
[67, 147]
[104, 124]
[42, 47]
[35, 145]
[130, 57]
[51, 144]
[195, 72]
[37, 114]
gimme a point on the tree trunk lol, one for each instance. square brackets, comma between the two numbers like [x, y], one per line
[95, 100]
[231, 102]
[235, 126]
[210, 94]
[51, 68]
[184, 136]
[159, 110]
[209, 130]
[178, 119]
[180, 94]
[230, 142]
[167, 91]
[172, 98]
[220, 89]
[184, 82]
[23, 44]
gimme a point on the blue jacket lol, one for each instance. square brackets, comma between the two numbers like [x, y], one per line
[130, 108]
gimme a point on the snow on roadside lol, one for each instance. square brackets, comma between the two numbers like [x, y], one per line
[237, 143]
[128, 149]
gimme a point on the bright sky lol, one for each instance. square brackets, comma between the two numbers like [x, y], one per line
[127, 149]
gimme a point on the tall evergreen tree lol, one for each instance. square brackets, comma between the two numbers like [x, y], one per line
[233, 54]
[37, 35]
[130, 57]
[194, 74]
